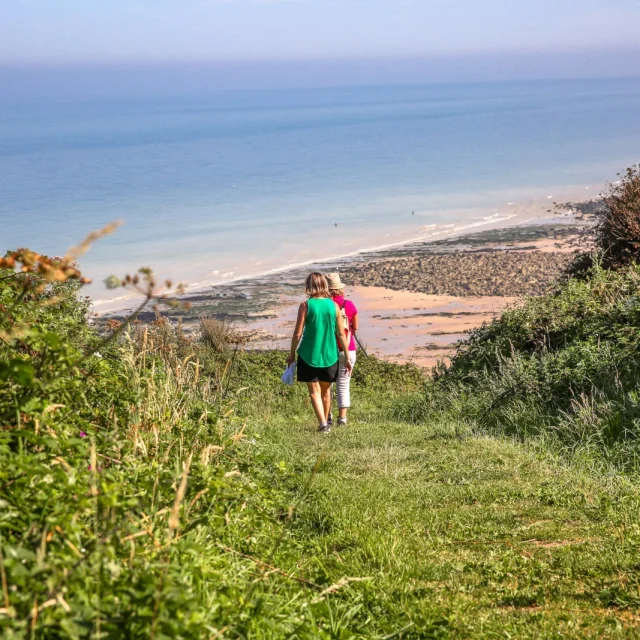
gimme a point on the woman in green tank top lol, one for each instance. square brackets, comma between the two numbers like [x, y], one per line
[319, 324]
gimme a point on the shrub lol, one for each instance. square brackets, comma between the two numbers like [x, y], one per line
[564, 366]
[220, 335]
[616, 234]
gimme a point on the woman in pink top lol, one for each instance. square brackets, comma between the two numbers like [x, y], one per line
[336, 289]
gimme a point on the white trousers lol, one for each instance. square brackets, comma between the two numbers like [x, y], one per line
[343, 386]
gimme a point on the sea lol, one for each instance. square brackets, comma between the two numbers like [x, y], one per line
[233, 184]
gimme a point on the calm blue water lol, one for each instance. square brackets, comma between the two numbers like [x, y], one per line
[241, 182]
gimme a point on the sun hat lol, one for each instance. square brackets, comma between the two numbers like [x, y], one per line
[333, 279]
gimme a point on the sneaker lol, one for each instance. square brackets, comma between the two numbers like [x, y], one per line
[330, 419]
[324, 428]
[342, 422]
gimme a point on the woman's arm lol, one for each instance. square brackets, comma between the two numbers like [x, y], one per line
[342, 339]
[354, 322]
[297, 332]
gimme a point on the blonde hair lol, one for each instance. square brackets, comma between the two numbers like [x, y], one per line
[316, 286]
[337, 291]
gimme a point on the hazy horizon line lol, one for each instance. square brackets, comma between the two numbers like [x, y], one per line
[328, 59]
[90, 78]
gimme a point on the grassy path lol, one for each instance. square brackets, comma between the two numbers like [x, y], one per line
[472, 537]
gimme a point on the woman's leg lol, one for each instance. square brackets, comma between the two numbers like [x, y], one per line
[315, 396]
[344, 386]
[325, 391]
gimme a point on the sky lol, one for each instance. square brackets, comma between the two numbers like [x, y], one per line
[553, 37]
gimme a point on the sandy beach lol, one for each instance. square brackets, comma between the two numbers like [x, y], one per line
[340, 245]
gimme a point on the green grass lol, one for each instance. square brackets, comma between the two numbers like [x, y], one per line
[456, 536]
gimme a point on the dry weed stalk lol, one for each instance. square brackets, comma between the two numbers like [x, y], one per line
[220, 335]
[174, 520]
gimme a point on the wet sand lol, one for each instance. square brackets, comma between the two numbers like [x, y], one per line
[401, 326]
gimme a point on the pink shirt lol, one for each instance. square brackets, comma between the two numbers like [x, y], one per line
[351, 311]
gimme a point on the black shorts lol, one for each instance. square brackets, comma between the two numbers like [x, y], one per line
[307, 373]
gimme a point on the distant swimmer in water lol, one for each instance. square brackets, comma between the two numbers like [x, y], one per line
[336, 224]
[413, 213]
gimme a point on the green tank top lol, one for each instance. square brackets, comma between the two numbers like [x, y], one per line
[318, 345]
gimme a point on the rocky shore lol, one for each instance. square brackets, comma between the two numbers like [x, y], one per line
[482, 273]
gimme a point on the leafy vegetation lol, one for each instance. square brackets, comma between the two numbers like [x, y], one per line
[137, 499]
[616, 234]
[154, 484]
[565, 366]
